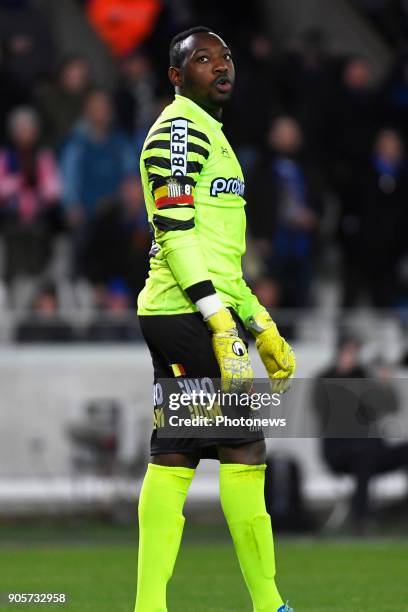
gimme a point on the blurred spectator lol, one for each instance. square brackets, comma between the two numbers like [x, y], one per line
[95, 438]
[26, 54]
[256, 68]
[136, 97]
[283, 494]
[95, 160]
[284, 201]
[388, 16]
[236, 22]
[29, 181]
[395, 92]
[268, 293]
[353, 117]
[355, 409]
[29, 193]
[307, 74]
[116, 320]
[28, 49]
[373, 222]
[61, 102]
[118, 239]
[123, 24]
[173, 17]
[44, 323]
[11, 97]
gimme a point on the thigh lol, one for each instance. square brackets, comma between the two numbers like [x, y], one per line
[180, 345]
[246, 453]
[177, 459]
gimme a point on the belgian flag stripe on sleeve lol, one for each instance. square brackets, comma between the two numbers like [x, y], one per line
[174, 194]
[183, 201]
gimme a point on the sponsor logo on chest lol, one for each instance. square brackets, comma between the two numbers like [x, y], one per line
[224, 185]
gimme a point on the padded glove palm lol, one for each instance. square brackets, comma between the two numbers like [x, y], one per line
[230, 353]
[276, 354]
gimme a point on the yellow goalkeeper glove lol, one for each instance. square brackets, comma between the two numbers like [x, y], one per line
[276, 354]
[230, 353]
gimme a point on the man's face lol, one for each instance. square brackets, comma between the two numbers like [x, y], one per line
[98, 110]
[207, 72]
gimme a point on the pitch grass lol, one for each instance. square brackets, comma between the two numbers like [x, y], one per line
[97, 570]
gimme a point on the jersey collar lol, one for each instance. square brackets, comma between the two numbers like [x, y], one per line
[211, 120]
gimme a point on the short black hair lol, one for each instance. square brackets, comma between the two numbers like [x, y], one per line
[176, 55]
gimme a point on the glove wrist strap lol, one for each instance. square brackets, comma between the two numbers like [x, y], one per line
[221, 321]
[259, 323]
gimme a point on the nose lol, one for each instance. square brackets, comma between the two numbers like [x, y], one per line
[220, 66]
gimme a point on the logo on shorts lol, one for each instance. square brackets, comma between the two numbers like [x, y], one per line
[238, 348]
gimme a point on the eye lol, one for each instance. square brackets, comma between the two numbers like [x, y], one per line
[202, 59]
[228, 56]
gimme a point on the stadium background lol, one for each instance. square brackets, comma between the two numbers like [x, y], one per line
[319, 121]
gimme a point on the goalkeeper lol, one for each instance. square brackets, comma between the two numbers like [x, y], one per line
[191, 312]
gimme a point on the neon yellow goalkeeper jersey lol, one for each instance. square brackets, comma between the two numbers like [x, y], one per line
[194, 193]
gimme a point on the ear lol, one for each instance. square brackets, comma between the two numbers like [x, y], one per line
[175, 76]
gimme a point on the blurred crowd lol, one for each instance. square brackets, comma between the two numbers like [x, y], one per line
[322, 145]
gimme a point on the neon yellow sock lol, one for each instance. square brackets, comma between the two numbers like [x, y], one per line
[161, 525]
[243, 503]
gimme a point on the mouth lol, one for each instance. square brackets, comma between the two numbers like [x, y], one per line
[223, 84]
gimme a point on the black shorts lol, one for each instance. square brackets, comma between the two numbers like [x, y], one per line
[185, 340]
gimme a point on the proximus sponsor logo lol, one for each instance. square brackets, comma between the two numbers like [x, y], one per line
[231, 185]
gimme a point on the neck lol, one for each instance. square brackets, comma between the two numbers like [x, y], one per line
[214, 111]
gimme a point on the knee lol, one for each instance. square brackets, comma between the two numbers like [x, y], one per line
[253, 453]
[177, 460]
